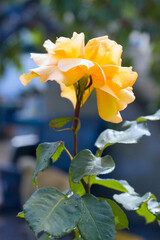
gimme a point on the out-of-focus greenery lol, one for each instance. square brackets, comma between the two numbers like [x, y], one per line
[25, 25]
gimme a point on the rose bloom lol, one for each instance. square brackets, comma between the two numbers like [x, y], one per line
[68, 60]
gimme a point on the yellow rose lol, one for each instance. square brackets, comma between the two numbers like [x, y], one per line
[68, 60]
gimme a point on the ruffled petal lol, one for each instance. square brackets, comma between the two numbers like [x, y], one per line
[108, 107]
[71, 48]
[27, 77]
[74, 69]
[98, 76]
[68, 92]
[49, 46]
[103, 51]
[44, 59]
[119, 77]
[49, 73]
[69, 63]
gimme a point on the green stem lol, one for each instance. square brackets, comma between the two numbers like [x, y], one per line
[75, 125]
[74, 130]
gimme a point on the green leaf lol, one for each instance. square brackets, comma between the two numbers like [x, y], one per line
[97, 220]
[153, 117]
[60, 122]
[76, 187]
[85, 163]
[119, 185]
[131, 201]
[144, 212]
[51, 211]
[128, 136]
[21, 214]
[120, 217]
[154, 207]
[44, 152]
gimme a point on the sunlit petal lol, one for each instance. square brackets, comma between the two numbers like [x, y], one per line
[74, 47]
[27, 77]
[49, 73]
[68, 63]
[44, 59]
[103, 51]
[49, 46]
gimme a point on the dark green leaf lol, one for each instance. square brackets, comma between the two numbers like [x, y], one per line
[44, 152]
[119, 185]
[128, 136]
[154, 207]
[97, 220]
[85, 163]
[21, 214]
[60, 122]
[131, 201]
[50, 211]
[120, 217]
[144, 212]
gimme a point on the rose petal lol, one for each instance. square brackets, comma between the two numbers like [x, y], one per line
[103, 51]
[108, 107]
[49, 46]
[27, 77]
[44, 59]
[98, 76]
[69, 63]
[73, 48]
[68, 92]
[49, 73]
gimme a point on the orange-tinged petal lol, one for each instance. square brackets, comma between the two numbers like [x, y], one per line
[27, 77]
[68, 92]
[49, 46]
[120, 77]
[72, 48]
[44, 59]
[108, 107]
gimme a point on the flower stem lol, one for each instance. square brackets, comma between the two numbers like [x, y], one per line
[74, 130]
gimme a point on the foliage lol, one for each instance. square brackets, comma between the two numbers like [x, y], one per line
[56, 214]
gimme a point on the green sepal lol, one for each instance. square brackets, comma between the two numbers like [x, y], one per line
[44, 153]
[97, 219]
[50, 211]
[85, 163]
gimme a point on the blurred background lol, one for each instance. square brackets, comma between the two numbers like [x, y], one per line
[26, 111]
